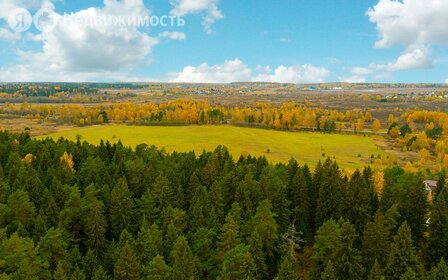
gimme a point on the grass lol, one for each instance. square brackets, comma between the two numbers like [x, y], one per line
[351, 151]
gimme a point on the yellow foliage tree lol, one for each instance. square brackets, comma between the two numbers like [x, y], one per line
[28, 159]
[67, 161]
[378, 182]
[376, 125]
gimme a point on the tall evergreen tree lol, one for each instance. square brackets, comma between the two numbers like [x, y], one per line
[121, 209]
[238, 264]
[127, 266]
[402, 256]
[182, 260]
[157, 269]
[437, 244]
[329, 202]
[150, 242]
[301, 202]
[358, 202]
[440, 272]
[287, 269]
[229, 237]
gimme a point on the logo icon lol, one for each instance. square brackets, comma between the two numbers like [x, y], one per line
[20, 20]
[45, 20]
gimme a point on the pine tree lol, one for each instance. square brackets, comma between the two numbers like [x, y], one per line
[375, 272]
[437, 244]
[78, 274]
[402, 256]
[53, 247]
[228, 238]
[329, 272]
[358, 205]
[258, 255]
[409, 275]
[121, 208]
[182, 260]
[378, 237]
[157, 269]
[441, 183]
[163, 193]
[149, 242]
[329, 202]
[348, 262]
[440, 272]
[200, 208]
[94, 220]
[22, 210]
[203, 248]
[265, 225]
[300, 198]
[127, 267]
[100, 274]
[60, 273]
[238, 264]
[287, 269]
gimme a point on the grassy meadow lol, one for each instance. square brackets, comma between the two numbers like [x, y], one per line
[351, 151]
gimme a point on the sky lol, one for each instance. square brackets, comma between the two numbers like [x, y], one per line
[224, 41]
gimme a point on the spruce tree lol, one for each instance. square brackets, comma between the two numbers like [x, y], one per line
[127, 266]
[157, 269]
[301, 204]
[228, 239]
[149, 242]
[402, 256]
[238, 264]
[376, 272]
[182, 260]
[287, 268]
[121, 209]
[440, 272]
[437, 244]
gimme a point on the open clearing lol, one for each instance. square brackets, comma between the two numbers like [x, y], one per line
[351, 151]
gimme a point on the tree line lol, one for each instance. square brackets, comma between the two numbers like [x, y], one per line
[72, 210]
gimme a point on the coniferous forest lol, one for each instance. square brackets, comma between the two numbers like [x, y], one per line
[72, 210]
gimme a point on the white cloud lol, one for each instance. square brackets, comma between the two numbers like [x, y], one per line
[353, 79]
[77, 52]
[236, 71]
[285, 40]
[228, 72]
[173, 35]
[8, 35]
[414, 24]
[207, 7]
[410, 22]
[295, 74]
[361, 71]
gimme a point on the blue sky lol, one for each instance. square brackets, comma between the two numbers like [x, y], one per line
[297, 41]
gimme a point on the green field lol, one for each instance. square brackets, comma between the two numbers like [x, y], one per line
[350, 151]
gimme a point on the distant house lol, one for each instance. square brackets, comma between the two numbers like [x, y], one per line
[431, 187]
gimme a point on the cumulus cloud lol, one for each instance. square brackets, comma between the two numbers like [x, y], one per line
[295, 74]
[414, 24]
[236, 71]
[75, 51]
[410, 22]
[228, 72]
[8, 35]
[173, 35]
[285, 40]
[209, 9]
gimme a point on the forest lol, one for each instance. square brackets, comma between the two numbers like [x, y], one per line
[72, 210]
